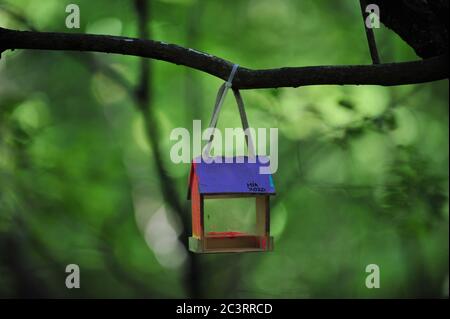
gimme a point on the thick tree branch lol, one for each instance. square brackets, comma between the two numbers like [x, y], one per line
[431, 69]
[423, 24]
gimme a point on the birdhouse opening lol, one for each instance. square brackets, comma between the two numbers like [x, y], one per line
[233, 223]
[229, 217]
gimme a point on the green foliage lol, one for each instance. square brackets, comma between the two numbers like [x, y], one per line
[362, 178]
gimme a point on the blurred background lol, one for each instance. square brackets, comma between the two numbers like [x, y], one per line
[86, 177]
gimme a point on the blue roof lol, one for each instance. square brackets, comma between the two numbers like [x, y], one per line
[235, 177]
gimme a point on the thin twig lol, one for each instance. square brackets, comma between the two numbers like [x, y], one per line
[370, 35]
[144, 96]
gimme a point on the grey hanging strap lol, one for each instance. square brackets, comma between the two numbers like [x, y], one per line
[244, 121]
[223, 90]
[219, 101]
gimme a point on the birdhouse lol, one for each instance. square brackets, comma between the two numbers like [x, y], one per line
[225, 227]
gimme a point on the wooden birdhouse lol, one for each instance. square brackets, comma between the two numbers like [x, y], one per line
[230, 228]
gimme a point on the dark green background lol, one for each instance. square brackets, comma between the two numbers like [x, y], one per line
[362, 178]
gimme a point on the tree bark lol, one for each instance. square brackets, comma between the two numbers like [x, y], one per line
[423, 24]
[432, 69]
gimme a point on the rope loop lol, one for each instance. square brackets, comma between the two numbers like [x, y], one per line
[223, 90]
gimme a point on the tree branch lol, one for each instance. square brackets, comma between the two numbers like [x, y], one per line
[423, 24]
[370, 35]
[144, 98]
[432, 69]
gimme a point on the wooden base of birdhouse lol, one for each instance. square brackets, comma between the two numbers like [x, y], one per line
[230, 242]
